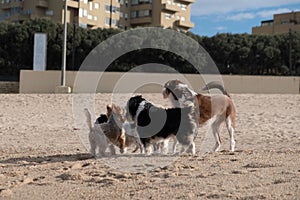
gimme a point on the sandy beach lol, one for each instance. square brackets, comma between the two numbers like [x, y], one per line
[43, 154]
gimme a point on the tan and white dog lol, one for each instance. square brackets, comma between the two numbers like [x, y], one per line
[217, 108]
[109, 134]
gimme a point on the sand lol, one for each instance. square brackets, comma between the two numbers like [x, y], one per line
[43, 154]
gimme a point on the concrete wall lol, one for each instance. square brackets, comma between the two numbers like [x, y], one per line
[9, 87]
[89, 82]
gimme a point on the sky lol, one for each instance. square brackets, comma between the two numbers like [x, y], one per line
[235, 16]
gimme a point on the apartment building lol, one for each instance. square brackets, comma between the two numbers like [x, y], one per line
[282, 23]
[103, 13]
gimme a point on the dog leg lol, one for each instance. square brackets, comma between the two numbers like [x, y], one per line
[215, 129]
[101, 151]
[215, 126]
[156, 147]
[140, 145]
[93, 148]
[112, 149]
[93, 151]
[231, 133]
[192, 148]
[165, 146]
[189, 148]
[175, 145]
[218, 143]
[148, 149]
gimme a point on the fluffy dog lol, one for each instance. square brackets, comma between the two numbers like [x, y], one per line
[219, 108]
[155, 124]
[105, 135]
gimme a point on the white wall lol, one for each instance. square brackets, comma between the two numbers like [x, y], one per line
[46, 82]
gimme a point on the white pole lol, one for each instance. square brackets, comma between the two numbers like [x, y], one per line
[64, 53]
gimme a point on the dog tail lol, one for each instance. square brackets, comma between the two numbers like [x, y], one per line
[88, 118]
[217, 85]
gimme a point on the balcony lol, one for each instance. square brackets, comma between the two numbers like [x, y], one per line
[18, 18]
[73, 4]
[185, 24]
[171, 7]
[42, 3]
[142, 20]
[141, 7]
[10, 5]
[188, 1]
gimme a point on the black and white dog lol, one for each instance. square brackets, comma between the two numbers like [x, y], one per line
[155, 124]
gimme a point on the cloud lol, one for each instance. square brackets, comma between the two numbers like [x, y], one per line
[261, 14]
[241, 16]
[270, 13]
[220, 28]
[209, 7]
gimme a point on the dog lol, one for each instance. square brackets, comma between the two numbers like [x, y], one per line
[155, 124]
[102, 136]
[131, 137]
[218, 108]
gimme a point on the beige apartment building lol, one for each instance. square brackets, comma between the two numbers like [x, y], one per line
[122, 14]
[282, 23]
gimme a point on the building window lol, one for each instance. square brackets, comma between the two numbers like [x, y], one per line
[28, 12]
[115, 9]
[134, 2]
[85, 13]
[85, 1]
[82, 25]
[15, 10]
[121, 15]
[80, 12]
[107, 20]
[96, 5]
[107, 8]
[144, 13]
[49, 13]
[90, 17]
[114, 22]
[133, 14]
[140, 13]
[91, 5]
[95, 18]
[183, 7]
[167, 16]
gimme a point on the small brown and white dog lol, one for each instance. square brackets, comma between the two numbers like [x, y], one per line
[102, 136]
[218, 108]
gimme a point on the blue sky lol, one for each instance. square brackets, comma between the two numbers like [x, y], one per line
[235, 16]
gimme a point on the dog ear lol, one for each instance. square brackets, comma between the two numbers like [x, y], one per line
[109, 106]
[109, 109]
[117, 109]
